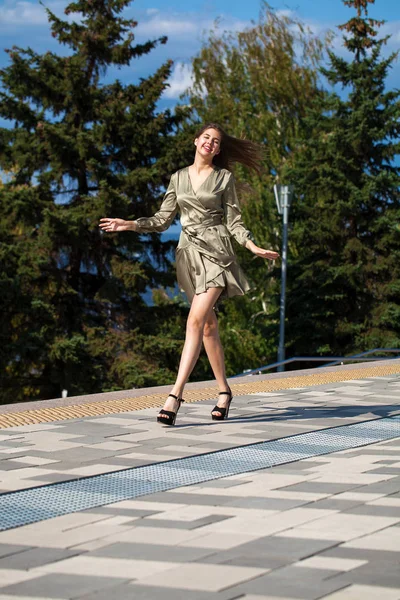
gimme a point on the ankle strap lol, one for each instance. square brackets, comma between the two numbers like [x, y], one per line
[176, 398]
[227, 393]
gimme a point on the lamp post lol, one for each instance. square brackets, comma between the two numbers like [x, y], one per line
[283, 197]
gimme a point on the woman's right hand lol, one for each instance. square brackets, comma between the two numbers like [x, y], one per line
[115, 225]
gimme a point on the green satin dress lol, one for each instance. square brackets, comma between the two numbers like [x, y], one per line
[210, 216]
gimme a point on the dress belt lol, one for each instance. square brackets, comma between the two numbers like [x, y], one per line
[198, 227]
[208, 245]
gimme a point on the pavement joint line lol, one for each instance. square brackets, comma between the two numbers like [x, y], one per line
[77, 411]
[32, 505]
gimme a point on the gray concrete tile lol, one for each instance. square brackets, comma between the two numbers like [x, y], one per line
[181, 497]
[153, 552]
[384, 574]
[16, 442]
[333, 503]
[380, 574]
[200, 431]
[61, 586]
[375, 511]
[266, 503]
[10, 549]
[385, 471]
[87, 427]
[374, 556]
[6, 457]
[133, 591]
[391, 486]
[63, 465]
[237, 557]
[271, 551]
[88, 440]
[35, 557]
[298, 575]
[210, 445]
[293, 583]
[11, 465]
[313, 487]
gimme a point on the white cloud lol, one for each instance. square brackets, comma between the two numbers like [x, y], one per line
[181, 78]
[185, 26]
[392, 28]
[179, 27]
[21, 13]
[171, 26]
[285, 12]
[16, 13]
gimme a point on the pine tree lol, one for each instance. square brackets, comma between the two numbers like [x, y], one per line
[344, 283]
[79, 149]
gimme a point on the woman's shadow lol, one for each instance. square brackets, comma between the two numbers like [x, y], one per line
[270, 414]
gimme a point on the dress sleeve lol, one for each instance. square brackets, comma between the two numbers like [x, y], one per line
[163, 218]
[233, 215]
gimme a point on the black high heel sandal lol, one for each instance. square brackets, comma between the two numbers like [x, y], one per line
[170, 417]
[223, 410]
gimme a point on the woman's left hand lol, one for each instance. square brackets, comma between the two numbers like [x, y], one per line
[261, 252]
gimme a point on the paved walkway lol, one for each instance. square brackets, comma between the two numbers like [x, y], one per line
[323, 527]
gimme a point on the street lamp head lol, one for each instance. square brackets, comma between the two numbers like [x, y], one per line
[283, 196]
[277, 188]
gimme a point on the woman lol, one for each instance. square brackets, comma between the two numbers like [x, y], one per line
[204, 194]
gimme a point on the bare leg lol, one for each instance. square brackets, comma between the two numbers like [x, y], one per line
[199, 311]
[215, 354]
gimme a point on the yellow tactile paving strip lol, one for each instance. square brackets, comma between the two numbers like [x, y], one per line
[61, 413]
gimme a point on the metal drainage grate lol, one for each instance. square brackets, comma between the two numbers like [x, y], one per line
[45, 502]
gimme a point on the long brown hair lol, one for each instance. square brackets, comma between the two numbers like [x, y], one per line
[234, 149]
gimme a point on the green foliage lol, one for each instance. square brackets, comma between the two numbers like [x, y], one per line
[343, 283]
[78, 149]
[247, 337]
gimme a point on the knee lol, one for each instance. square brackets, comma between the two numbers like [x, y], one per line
[210, 329]
[195, 323]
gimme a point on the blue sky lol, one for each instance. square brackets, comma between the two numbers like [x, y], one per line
[24, 23]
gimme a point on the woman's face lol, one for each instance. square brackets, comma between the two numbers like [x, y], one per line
[208, 143]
